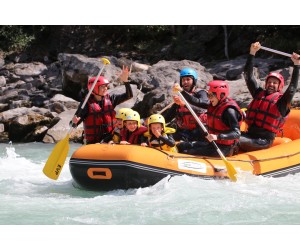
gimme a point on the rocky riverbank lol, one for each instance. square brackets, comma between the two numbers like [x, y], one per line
[38, 99]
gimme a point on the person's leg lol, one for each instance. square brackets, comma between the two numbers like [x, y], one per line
[207, 150]
[183, 146]
[248, 144]
[181, 135]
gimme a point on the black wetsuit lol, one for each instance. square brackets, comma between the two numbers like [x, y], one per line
[231, 118]
[199, 103]
[116, 99]
[260, 138]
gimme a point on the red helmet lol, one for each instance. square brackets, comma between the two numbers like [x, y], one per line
[279, 77]
[219, 87]
[101, 81]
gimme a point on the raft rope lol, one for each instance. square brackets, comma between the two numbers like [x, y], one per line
[252, 162]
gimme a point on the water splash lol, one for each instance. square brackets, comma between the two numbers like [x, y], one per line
[11, 152]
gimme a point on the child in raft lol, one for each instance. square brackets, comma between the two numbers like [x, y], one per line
[133, 131]
[115, 137]
[159, 136]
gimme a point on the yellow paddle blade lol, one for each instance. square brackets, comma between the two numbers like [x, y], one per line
[57, 159]
[230, 170]
[105, 60]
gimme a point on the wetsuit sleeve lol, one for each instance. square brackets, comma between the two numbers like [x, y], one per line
[82, 113]
[285, 101]
[142, 139]
[251, 82]
[200, 99]
[231, 118]
[108, 138]
[117, 99]
[169, 141]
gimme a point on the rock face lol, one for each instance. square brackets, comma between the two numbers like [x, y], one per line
[38, 101]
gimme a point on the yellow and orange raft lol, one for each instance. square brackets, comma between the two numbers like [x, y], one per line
[107, 167]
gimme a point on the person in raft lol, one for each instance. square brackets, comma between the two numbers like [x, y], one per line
[159, 136]
[98, 115]
[133, 131]
[187, 128]
[224, 118]
[115, 137]
[266, 114]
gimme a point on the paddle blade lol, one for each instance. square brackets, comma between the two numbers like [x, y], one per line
[57, 159]
[231, 171]
[105, 60]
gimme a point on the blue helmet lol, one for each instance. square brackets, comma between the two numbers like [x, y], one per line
[189, 72]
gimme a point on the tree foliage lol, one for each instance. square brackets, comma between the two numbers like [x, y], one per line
[17, 38]
[152, 41]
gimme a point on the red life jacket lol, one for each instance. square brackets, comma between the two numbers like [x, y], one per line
[184, 118]
[263, 112]
[100, 121]
[132, 137]
[215, 124]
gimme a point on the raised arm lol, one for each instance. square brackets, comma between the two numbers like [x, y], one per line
[285, 101]
[248, 69]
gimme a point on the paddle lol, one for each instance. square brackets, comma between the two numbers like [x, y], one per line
[230, 169]
[59, 154]
[276, 51]
[165, 108]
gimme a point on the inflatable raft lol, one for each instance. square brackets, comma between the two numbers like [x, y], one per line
[106, 167]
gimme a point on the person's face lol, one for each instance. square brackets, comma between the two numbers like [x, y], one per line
[102, 90]
[212, 98]
[187, 83]
[156, 127]
[272, 85]
[119, 123]
[131, 125]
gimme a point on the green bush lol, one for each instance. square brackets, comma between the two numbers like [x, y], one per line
[14, 38]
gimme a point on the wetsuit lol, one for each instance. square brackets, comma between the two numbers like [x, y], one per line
[257, 137]
[231, 117]
[115, 99]
[199, 103]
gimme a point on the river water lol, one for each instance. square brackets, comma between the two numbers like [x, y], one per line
[198, 211]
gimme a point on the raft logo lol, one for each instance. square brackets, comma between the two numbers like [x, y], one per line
[57, 170]
[99, 173]
[192, 166]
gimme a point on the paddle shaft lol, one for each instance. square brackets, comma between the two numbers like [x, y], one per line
[92, 88]
[230, 169]
[165, 108]
[56, 160]
[276, 51]
[201, 125]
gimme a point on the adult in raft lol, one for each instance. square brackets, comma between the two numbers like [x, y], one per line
[266, 114]
[224, 118]
[98, 115]
[187, 128]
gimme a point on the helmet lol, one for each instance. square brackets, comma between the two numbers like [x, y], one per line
[279, 77]
[101, 81]
[121, 112]
[219, 87]
[189, 72]
[132, 115]
[156, 118]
